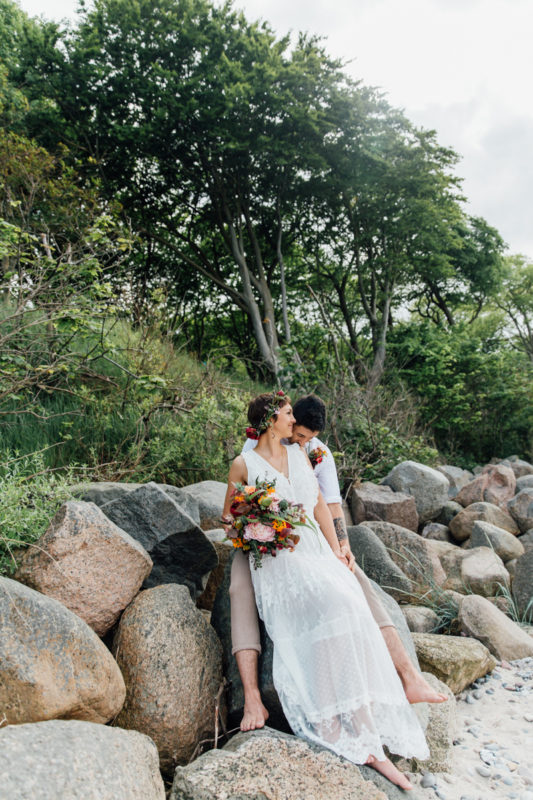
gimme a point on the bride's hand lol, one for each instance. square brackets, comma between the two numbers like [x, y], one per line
[348, 555]
[342, 558]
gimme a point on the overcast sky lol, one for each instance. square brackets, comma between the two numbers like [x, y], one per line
[461, 67]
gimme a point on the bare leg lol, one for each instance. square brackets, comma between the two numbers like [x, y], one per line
[417, 689]
[388, 769]
[255, 714]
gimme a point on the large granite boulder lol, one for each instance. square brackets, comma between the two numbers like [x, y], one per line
[210, 496]
[78, 561]
[373, 558]
[171, 660]
[73, 760]
[523, 585]
[495, 485]
[521, 509]
[479, 570]
[180, 550]
[457, 478]
[269, 765]
[462, 524]
[221, 621]
[481, 620]
[456, 660]
[102, 492]
[51, 663]
[502, 542]
[418, 558]
[428, 486]
[369, 501]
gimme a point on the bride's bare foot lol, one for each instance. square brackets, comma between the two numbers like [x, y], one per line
[255, 714]
[418, 690]
[390, 772]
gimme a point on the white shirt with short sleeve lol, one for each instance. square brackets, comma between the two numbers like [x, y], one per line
[326, 471]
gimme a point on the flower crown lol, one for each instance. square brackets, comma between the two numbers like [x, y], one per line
[272, 410]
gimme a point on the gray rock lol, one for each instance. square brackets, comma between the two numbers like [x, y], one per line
[502, 542]
[426, 485]
[77, 562]
[481, 620]
[436, 531]
[457, 478]
[462, 524]
[448, 512]
[525, 482]
[51, 663]
[210, 496]
[171, 660]
[523, 584]
[373, 558]
[420, 619]
[73, 760]
[370, 501]
[268, 765]
[178, 547]
[521, 509]
[418, 558]
[103, 492]
[479, 570]
[526, 539]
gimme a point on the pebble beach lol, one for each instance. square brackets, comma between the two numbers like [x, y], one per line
[493, 742]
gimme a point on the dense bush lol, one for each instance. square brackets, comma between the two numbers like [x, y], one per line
[475, 392]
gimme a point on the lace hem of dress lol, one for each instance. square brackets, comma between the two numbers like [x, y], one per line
[361, 734]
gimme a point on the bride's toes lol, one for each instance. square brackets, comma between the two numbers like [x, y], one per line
[393, 774]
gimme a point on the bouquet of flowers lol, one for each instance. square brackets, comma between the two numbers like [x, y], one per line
[316, 456]
[263, 522]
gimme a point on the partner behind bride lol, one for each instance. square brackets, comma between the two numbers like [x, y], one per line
[332, 670]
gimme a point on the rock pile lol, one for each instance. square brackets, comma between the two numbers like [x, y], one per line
[146, 567]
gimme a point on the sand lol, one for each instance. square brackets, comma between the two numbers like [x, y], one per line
[493, 742]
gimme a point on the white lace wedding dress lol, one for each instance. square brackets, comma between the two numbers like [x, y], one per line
[332, 670]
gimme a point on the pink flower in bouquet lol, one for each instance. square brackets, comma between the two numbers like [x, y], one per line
[259, 532]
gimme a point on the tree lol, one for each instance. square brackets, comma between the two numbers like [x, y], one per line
[516, 300]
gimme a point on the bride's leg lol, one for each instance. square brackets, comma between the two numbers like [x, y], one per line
[417, 689]
[255, 714]
[245, 641]
[390, 772]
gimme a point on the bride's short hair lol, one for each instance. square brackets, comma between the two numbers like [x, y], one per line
[262, 406]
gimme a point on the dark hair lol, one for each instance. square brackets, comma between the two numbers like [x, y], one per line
[262, 407]
[310, 411]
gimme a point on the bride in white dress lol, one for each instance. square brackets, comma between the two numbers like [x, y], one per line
[331, 668]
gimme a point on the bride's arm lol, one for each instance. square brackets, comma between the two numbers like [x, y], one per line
[323, 517]
[238, 473]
